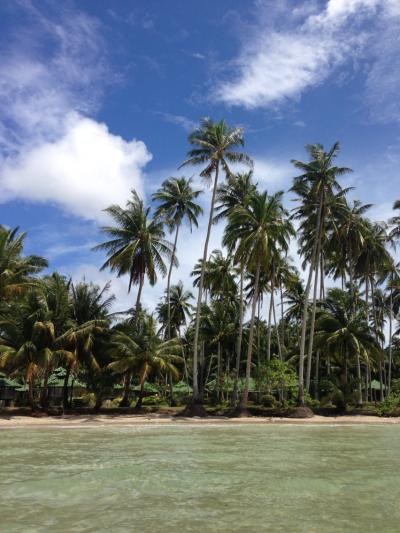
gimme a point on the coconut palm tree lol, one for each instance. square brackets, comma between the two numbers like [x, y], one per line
[218, 328]
[137, 246]
[29, 329]
[395, 223]
[91, 315]
[261, 229]
[344, 334]
[177, 203]
[318, 184]
[16, 270]
[180, 309]
[236, 191]
[144, 353]
[215, 146]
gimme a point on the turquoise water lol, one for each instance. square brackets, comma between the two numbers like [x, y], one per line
[205, 478]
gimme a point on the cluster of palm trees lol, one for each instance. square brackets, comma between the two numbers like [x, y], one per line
[253, 314]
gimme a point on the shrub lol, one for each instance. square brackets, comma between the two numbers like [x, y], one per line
[268, 400]
[391, 405]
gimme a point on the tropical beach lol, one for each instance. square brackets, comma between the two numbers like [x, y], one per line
[199, 266]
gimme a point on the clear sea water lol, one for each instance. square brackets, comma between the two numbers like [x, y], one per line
[208, 478]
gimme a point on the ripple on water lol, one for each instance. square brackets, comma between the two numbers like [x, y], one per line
[208, 478]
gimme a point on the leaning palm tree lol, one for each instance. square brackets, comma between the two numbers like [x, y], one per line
[316, 186]
[177, 202]
[215, 146]
[262, 229]
[137, 246]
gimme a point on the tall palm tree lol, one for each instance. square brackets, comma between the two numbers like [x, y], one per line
[236, 191]
[177, 202]
[261, 228]
[137, 246]
[215, 146]
[318, 183]
[237, 188]
[395, 222]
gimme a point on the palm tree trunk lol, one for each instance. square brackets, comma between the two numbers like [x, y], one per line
[30, 393]
[314, 258]
[139, 294]
[65, 389]
[278, 340]
[141, 394]
[127, 388]
[389, 386]
[218, 371]
[99, 400]
[258, 332]
[171, 390]
[196, 397]
[316, 378]
[44, 394]
[271, 303]
[282, 316]
[245, 396]
[312, 325]
[169, 283]
[239, 341]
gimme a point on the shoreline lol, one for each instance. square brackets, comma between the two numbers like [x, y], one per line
[101, 420]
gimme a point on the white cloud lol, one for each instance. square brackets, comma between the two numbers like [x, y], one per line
[186, 123]
[83, 172]
[119, 286]
[272, 174]
[301, 49]
[51, 151]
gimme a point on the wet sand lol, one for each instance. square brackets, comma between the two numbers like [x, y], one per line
[79, 421]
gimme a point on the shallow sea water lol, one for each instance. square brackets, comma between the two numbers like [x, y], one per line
[208, 478]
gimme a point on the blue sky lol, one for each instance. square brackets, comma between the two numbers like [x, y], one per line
[98, 97]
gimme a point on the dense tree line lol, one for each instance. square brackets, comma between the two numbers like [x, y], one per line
[259, 330]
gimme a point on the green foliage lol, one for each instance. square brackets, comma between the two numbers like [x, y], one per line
[391, 405]
[276, 375]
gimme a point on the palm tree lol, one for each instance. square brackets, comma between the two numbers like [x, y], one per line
[137, 246]
[236, 191]
[180, 309]
[91, 313]
[145, 353]
[214, 145]
[261, 228]
[318, 184]
[218, 328]
[16, 271]
[29, 329]
[352, 232]
[344, 334]
[177, 203]
[395, 222]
